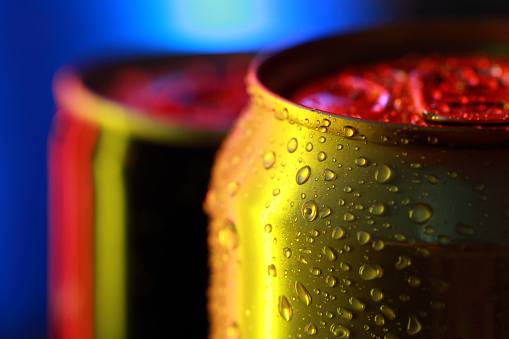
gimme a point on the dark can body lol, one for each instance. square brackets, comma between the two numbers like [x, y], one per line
[126, 187]
[337, 227]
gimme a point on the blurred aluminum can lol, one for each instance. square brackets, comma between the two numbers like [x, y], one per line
[130, 153]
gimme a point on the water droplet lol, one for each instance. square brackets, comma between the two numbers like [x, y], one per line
[378, 244]
[303, 175]
[383, 174]
[329, 252]
[276, 192]
[269, 159]
[432, 179]
[479, 186]
[420, 213]
[345, 313]
[349, 217]
[413, 326]
[322, 139]
[390, 336]
[233, 331]
[370, 271]
[267, 228]
[232, 188]
[349, 131]
[378, 209]
[388, 312]
[464, 229]
[453, 174]
[443, 239]
[376, 294]
[321, 156]
[393, 189]
[287, 252]
[348, 189]
[403, 262]
[339, 147]
[356, 304]
[309, 210]
[361, 162]
[379, 320]
[338, 233]
[329, 175]
[363, 237]
[292, 145]
[302, 293]
[325, 213]
[285, 309]
[326, 122]
[331, 281]
[437, 305]
[315, 271]
[400, 237]
[309, 147]
[310, 329]
[343, 266]
[228, 236]
[340, 331]
[414, 281]
[271, 271]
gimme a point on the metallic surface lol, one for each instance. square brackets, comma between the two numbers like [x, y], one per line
[341, 228]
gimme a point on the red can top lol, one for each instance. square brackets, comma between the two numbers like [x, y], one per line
[199, 93]
[437, 90]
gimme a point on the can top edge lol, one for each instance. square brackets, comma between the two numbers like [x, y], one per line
[274, 76]
[77, 91]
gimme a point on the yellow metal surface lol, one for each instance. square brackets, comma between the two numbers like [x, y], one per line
[340, 228]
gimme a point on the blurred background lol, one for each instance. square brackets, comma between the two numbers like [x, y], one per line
[38, 37]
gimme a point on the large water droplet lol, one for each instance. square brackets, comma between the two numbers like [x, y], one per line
[269, 159]
[376, 294]
[420, 213]
[329, 175]
[413, 326]
[349, 216]
[321, 156]
[403, 262]
[285, 309]
[340, 331]
[292, 145]
[356, 304]
[329, 252]
[228, 236]
[370, 271]
[379, 320]
[338, 233]
[349, 131]
[383, 174]
[378, 209]
[331, 281]
[271, 270]
[303, 175]
[309, 147]
[287, 252]
[345, 313]
[363, 237]
[378, 244]
[361, 162]
[388, 312]
[325, 212]
[310, 329]
[302, 293]
[309, 210]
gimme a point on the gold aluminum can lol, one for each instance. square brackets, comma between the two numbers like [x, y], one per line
[334, 227]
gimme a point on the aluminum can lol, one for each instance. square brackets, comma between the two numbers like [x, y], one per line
[130, 152]
[337, 227]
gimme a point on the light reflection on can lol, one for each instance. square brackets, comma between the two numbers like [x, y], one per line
[129, 159]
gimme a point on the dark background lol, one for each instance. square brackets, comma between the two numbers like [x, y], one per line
[39, 36]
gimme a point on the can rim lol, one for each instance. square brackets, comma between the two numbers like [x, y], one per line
[264, 82]
[76, 96]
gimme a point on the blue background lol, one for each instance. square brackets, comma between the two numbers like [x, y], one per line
[38, 37]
